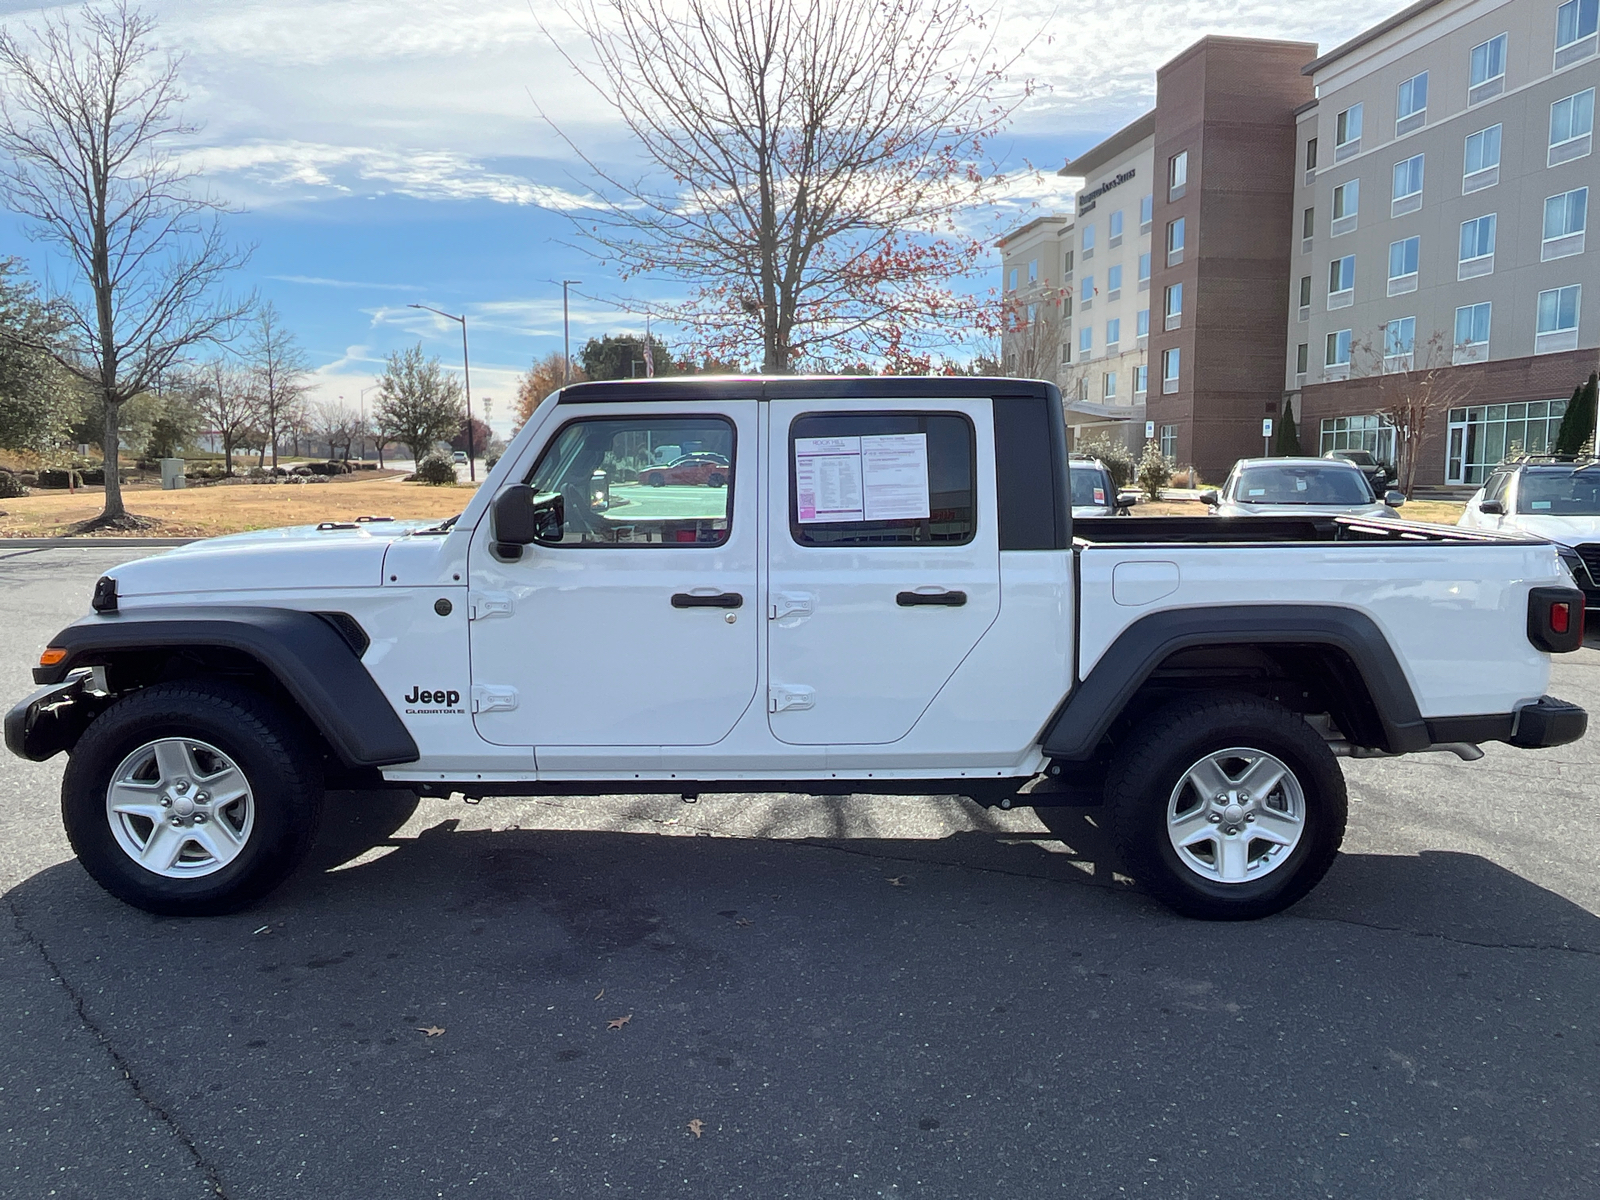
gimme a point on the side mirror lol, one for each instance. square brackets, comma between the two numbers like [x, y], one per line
[523, 516]
[1210, 498]
[1394, 499]
[1493, 508]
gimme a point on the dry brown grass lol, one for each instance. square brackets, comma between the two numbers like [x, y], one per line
[1433, 512]
[209, 511]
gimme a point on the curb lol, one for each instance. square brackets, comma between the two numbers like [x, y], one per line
[91, 543]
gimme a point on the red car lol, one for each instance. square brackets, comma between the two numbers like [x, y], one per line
[705, 469]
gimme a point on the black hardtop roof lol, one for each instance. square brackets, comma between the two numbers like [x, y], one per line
[805, 387]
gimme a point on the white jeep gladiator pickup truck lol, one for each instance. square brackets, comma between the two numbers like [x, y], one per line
[817, 586]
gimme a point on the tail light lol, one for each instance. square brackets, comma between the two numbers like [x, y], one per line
[1555, 619]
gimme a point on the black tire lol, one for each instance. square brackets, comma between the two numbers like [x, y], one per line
[717, 479]
[1162, 750]
[275, 754]
[656, 481]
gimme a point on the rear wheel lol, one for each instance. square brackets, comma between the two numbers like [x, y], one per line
[191, 798]
[1228, 807]
[717, 479]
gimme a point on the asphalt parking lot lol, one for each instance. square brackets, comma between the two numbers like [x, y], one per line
[780, 997]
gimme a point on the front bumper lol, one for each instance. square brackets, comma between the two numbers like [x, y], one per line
[51, 719]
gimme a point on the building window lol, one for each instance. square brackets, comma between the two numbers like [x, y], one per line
[1411, 108]
[1175, 233]
[1083, 388]
[1144, 272]
[1370, 433]
[1311, 158]
[1114, 228]
[1305, 297]
[1407, 186]
[1011, 280]
[1147, 212]
[1142, 322]
[1169, 371]
[1086, 293]
[1302, 357]
[1346, 204]
[1347, 133]
[1066, 266]
[1342, 282]
[1479, 437]
[1480, 166]
[1307, 227]
[1571, 127]
[1109, 387]
[1033, 312]
[1033, 270]
[1174, 310]
[1557, 328]
[1088, 242]
[1576, 23]
[1399, 343]
[1141, 379]
[1066, 353]
[1085, 341]
[1113, 282]
[1403, 256]
[1565, 218]
[1487, 64]
[1066, 306]
[1113, 333]
[1472, 334]
[1177, 174]
[1477, 247]
[1336, 357]
[1169, 441]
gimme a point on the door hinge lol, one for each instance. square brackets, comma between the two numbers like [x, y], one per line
[488, 604]
[787, 697]
[789, 604]
[488, 697]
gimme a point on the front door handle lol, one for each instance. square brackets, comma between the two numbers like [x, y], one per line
[720, 600]
[941, 599]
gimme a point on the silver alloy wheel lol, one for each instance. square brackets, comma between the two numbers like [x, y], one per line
[180, 808]
[1236, 815]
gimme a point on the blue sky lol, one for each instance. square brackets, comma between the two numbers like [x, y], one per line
[389, 151]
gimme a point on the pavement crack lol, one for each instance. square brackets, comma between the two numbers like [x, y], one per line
[212, 1177]
[1445, 937]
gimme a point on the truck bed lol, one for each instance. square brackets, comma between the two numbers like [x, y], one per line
[1167, 531]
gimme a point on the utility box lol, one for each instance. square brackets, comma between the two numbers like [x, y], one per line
[172, 474]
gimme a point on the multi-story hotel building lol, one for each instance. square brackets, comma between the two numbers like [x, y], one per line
[1418, 195]
[1442, 195]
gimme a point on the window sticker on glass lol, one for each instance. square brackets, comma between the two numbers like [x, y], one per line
[1099, 495]
[1258, 491]
[878, 477]
[1538, 504]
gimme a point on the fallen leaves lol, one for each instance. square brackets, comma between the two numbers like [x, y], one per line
[697, 1127]
[746, 922]
[615, 1022]
[600, 994]
[429, 1030]
[898, 880]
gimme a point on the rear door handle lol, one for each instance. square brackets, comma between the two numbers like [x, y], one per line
[940, 599]
[720, 600]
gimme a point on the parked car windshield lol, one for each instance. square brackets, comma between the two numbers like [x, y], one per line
[1091, 486]
[1304, 484]
[1560, 492]
[1360, 457]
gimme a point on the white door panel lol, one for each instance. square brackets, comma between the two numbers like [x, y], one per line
[863, 634]
[622, 636]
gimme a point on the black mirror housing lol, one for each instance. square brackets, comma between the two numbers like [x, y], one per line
[523, 516]
[1210, 498]
[1493, 507]
[1394, 499]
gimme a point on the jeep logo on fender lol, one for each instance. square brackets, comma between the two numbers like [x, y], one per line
[443, 701]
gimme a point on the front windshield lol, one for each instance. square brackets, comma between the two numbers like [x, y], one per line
[1303, 484]
[1090, 486]
[1360, 457]
[1560, 492]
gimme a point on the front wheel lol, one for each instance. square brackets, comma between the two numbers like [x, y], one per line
[1227, 807]
[189, 799]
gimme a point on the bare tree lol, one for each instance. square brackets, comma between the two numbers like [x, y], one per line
[88, 117]
[229, 405]
[818, 152]
[338, 425]
[1031, 331]
[280, 369]
[1415, 384]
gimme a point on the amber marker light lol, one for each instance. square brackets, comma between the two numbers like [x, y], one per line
[52, 656]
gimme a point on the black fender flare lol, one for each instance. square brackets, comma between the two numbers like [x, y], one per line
[1088, 712]
[312, 661]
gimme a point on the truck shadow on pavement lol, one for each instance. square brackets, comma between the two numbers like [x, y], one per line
[988, 1014]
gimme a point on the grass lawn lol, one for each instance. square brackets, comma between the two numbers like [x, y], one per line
[1435, 512]
[209, 511]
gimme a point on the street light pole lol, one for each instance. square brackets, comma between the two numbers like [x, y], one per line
[466, 372]
[566, 333]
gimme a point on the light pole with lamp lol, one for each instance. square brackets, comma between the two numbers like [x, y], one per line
[466, 371]
[566, 333]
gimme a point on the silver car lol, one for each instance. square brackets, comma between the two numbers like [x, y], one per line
[1298, 487]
